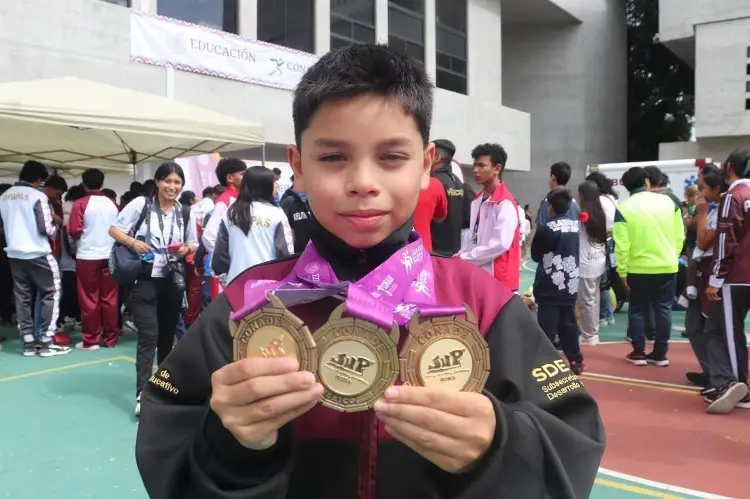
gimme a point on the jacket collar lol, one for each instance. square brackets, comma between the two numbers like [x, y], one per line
[497, 195]
[351, 263]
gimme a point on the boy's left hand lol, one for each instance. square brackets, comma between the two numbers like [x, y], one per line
[453, 430]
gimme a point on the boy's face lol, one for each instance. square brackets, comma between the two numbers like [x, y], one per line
[484, 171]
[363, 164]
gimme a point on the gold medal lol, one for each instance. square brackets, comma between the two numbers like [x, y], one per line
[445, 352]
[358, 361]
[273, 331]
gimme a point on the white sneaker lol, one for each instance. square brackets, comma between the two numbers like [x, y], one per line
[80, 346]
[589, 342]
[683, 301]
[52, 350]
[138, 405]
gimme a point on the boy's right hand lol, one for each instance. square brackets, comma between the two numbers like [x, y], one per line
[254, 397]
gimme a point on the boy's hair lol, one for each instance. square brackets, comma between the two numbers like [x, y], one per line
[360, 69]
[739, 162]
[93, 179]
[208, 191]
[446, 149]
[634, 178]
[56, 182]
[228, 166]
[33, 171]
[497, 154]
[561, 171]
[110, 194]
[560, 201]
[656, 177]
[75, 192]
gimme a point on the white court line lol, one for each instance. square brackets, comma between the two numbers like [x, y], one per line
[665, 487]
[641, 381]
[524, 266]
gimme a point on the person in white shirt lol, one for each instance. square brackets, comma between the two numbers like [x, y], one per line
[89, 223]
[229, 171]
[199, 210]
[591, 260]
[163, 242]
[254, 230]
[29, 224]
[608, 199]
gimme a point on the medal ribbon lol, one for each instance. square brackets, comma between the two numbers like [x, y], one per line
[394, 290]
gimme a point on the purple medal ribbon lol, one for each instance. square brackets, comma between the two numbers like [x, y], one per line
[394, 290]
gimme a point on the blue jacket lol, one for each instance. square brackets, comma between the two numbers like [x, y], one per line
[555, 249]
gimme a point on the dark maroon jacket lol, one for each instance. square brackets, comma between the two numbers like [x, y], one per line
[549, 439]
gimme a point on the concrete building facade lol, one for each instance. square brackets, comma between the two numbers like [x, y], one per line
[565, 63]
[713, 36]
[545, 78]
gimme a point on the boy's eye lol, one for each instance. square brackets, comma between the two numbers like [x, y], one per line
[333, 157]
[394, 157]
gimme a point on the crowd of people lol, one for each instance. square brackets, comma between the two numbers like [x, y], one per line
[163, 255]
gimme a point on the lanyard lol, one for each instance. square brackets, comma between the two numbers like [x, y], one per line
[161, 224]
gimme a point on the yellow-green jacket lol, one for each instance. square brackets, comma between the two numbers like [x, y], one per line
[649, 234]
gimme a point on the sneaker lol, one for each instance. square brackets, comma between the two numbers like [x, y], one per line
[589, 342]
[577, 367]
[744, 403]
[727, 398]
[709, 395]
[603, 323]
[657, 360]
[637, 358]
[80, 346]
[697, 379]
[650, 337]
[138, 405]
[30, 349]
[52, 350]
[611, 321]
[683, 301]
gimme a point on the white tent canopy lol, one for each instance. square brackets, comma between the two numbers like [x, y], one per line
[67, 122]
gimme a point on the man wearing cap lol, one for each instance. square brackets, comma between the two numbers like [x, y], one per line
[446, 235]
[729, 290]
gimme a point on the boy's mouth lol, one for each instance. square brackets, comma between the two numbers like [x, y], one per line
[364, 219]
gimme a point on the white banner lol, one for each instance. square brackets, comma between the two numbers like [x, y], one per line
[187, 47]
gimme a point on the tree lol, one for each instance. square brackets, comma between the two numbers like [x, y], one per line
[661, 87]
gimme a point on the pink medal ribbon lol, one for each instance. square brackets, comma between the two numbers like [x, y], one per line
[394, 290]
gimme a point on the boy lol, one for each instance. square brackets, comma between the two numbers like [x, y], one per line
[495, 243]
[254, 428]
[555, 249]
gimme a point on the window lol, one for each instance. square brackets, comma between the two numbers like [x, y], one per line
[406, 27]
[450, 39]
[352, 21]
[747, 87]
[290, 23]
[748, 52]
[124, 3]
[747, 104]
[217, 14]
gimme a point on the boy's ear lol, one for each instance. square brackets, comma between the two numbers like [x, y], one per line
[295, 160]
[429, 159]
